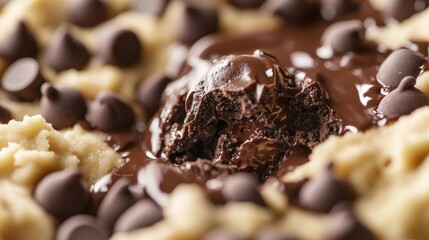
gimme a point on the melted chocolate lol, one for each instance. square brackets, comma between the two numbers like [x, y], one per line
[348, 81]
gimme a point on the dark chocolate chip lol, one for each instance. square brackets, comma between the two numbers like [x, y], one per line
[403, 9]
[332, 9]
[403, 100]
[247, 3]
[345, 36]
[223, 234]
[344, 225]
[65, 51]
[82, 227]
[87, 13]
[62, 106]
[23, 80]
[142, 214]
[118, 199]
[323, 192]
[150, 91]
[399, 64]
[19, 43]
[109, 112]
[293, 11]
[242, 187]
[5, 115]
[151, 7]
[196, 22]
[119, 47]
[270, 233]
[62, 194]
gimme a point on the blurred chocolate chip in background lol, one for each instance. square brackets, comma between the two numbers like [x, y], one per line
[151, 7]
[399, 64]
[62, 194]
[109, 112]
[332, 9]
[403, 100]
[403, 9]
[119, 47]
[87, 13]
[149, 92]
[142, 214]
[242, 187]
[82, 227]
[293, 11]
[62, 106]
[246, 3]
[344, 225]
[65, 51]
[223, 234]
[22, 80]
[19, 43]
[118, 199]
[197, 21]
[346, 36]
[5, 115]
[324, 191]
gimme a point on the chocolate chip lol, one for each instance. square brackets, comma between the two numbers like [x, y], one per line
[323, 192]
[151, 7]
[62, 106]
[344, 225]
[5, 115]
[223, 234]
[403, 100]
[118, 199]
[345, 36]
[109, 112]
[142, 214]
[65, 51]
[332, 9]
[23, 80]
[150, 91]
[87, 13]
[196, 22]
[82, 227]
[403, 9]
[271, 233]
[62, 194]
[399, 64]
[247, 3]
[19, 43]
[119, 47]
[293, 11]
[242, 187]
[177, 57]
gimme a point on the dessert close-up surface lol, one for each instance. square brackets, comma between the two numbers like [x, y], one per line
[214, 119]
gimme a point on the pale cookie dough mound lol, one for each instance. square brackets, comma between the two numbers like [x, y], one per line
[388, 169]
[189, 215]
[20, 217]
[32, 148]
[397, 35]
